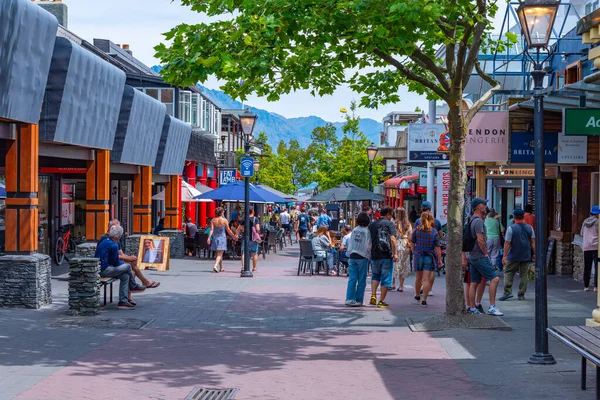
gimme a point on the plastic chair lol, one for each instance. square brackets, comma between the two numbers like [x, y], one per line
[310, 259]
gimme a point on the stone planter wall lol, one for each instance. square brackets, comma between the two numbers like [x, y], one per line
[86, 250]
[564, 258]
[577, 263]
[177, 242]
[133, 245]
[25, 281]
[84, 286]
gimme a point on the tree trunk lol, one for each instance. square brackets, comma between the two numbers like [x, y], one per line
[455, 299]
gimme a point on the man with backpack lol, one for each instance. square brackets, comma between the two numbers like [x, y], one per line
[474, 238]
[383, 255]
[519, 251]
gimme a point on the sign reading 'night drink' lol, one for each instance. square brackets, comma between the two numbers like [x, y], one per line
[581, 121]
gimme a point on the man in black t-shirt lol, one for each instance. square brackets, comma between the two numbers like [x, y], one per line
[383, 255]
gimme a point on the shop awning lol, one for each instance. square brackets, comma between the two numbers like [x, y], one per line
[401, 182]
[277, 192]
[27, 34]
[567, 98]
[173, 146]
[201, 148]
[83, 98]
[139, 130]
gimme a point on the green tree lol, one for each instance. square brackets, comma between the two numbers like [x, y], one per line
[279, 46]
[322, 150]
[299, 161]
[275, 170]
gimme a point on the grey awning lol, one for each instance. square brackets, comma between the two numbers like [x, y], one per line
[202, 148]
[82, 100]
[139, 129]
[27, 35]
[565, 98]
[173, 146]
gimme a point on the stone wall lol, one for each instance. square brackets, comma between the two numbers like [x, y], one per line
[25, 281]
[577, 263]
[177, 242]
[564, 258]
[84, 286]
[86, 250]
[132, 246]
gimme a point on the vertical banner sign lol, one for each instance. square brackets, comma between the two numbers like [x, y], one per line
[443, 194]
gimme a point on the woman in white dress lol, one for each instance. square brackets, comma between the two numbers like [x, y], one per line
[402, 266]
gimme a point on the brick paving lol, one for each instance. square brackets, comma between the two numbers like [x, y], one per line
[282, 336]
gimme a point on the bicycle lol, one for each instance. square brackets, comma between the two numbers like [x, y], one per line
[64, 245]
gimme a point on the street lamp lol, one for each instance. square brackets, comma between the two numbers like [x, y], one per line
[247, 121]
[256, 168]
[371, 154]
[537, 18]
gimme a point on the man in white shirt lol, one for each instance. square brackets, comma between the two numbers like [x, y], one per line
[285, 220]
[347, 234]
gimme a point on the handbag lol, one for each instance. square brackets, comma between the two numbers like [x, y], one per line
[255, 235]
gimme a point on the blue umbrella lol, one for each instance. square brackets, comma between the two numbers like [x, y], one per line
[235, 192]
[268, 195]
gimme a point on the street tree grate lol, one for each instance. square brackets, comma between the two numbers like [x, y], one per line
[200, 393]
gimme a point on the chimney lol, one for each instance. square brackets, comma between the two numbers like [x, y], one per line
[126, 48]
[56, 8]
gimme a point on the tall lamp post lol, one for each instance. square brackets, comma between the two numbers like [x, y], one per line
[537, 18]
[256, 168]
[371, 154]
[247, 120]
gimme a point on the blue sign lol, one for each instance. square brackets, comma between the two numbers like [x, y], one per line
[522, 147]
[247, 167]
[226, 176]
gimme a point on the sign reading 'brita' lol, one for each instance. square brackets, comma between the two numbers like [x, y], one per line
[523, 147]
[487, 137]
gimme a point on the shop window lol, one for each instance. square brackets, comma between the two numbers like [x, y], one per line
[195, 100]
[185, 106]
[573, 73]
[591, 6]
[152, 93]
[205, 114]
[167, 98]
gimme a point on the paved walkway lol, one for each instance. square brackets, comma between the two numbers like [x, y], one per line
[280, 336]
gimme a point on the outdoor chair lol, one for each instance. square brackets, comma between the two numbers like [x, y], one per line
[287, 234]
[280, 238]
[309, 259]
[201, 243]
[270, 241]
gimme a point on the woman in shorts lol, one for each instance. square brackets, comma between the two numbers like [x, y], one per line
[427, 254]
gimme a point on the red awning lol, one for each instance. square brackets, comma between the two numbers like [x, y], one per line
[396, 183]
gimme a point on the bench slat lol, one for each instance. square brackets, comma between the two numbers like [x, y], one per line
[592, 331]
[581, 338]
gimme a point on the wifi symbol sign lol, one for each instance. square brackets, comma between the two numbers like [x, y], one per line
[247, 167]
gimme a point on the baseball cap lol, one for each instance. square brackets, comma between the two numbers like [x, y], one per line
[517, 212]
[426, 205]
[477, 201]
[595, 210]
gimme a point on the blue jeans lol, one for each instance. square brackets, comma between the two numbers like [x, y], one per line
[481, 267]
[383, 271]
[125, 274]
[357, 279]
[424, 263]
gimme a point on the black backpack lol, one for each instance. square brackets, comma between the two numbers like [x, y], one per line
[383, 239]
[468, 239]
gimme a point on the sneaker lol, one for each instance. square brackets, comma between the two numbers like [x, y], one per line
[125, 306]
[521, 297]
[418, 299]
[350, 303]
[493, 310]
[480, 309]
[382, 304]
[138, 288]
[357, 304]
[373, 301]
[424, 304]
[430, 293]
[474, 311]
[506, 297]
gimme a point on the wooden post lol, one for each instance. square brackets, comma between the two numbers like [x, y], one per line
[22, 166]
[97, 195]
[142, 201]
[480, 187]
[172, 196]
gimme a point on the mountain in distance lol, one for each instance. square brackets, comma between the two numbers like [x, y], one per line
[279, 127]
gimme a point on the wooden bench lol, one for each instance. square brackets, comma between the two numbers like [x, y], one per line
[586, 341]
[106, 282]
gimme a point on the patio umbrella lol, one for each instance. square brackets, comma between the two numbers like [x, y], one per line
[345, 192]
[235, 192]
[288, 197]
[188, 194]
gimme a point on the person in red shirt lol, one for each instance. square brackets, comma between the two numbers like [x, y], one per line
[529, 218]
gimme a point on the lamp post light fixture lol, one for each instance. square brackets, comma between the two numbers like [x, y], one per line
[256, 168]
[247, 121]
[537, 19]
[371, 154]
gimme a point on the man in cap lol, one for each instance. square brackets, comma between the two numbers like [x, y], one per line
[519, 251]
[479, 261]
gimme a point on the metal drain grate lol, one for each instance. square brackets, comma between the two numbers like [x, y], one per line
[200, 393]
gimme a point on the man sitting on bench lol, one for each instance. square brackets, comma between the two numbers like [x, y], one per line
[131, 260]
[107, 252]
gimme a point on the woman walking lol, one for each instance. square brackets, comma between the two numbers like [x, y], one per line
[359, 252]
[426, 255]
[402, 266]
[217, 238]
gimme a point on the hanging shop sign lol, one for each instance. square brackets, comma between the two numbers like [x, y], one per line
[443, 190]
[424, 141]
[572, 149]
[523, 147]
[524, 173]
[423, 178]
[227, 176]
[581, 121]
[487, 137]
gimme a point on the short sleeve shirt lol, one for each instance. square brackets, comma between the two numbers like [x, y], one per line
[285, 218]
[377, 254]
[477, 226]
[303, 222]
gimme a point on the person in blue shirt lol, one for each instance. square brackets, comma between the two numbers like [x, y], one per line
[303, 225]
[324, 219]
[107, 252]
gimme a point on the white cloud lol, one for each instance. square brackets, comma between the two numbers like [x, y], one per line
[140, 23]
